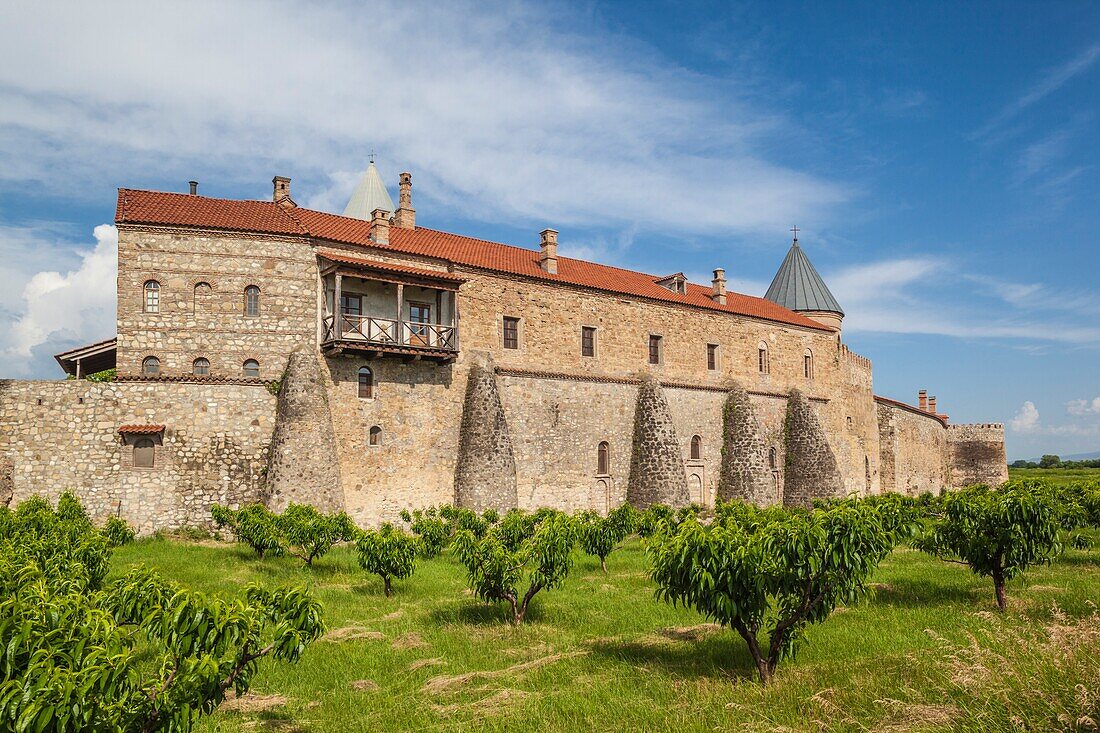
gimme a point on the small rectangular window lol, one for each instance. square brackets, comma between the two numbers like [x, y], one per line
[712, 356]
[511, 332]
[588, 341]
[654, 349]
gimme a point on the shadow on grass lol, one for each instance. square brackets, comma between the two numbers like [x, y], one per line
[722, 655]
[1079, 558]
[904, 593]
[476, 613]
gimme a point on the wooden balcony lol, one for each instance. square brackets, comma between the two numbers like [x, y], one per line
[375, 337]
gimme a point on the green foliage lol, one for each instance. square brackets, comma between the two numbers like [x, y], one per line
[253, 525]
[118, 532]
[430, 527]
[308, 534]
[600, 535]
[460, 518]
[389, 553]
[770, 570]
[657, 518]
[141, 655]
[497, 572]
[1050, 461]
[998, 533]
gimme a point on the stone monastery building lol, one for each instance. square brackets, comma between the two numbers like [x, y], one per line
[267, 352]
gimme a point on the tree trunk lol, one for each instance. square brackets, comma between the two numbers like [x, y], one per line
[603, 564]
[388, 583]
[762, 666]
[999, 589]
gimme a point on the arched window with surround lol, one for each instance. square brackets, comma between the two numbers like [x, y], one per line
[696, 448]
[144, 453]
[763, 363]
[252, 301]
[374, 437]
[366, 383]
[808, 364]
[202, 292]
[152, 296]
[200, 367]
[150, 366]
[603, 458]
[250, 368]
[773, 459]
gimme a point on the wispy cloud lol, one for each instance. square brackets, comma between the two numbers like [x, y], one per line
[1028, 422]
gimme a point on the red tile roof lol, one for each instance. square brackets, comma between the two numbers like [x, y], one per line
[334, 256]
[141, 429]
[173, 209]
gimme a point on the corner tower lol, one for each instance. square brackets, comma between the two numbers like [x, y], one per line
[799, 288]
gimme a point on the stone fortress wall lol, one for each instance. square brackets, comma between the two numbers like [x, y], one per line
[227, 439]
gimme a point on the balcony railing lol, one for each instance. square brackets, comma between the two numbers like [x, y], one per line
[388, 332]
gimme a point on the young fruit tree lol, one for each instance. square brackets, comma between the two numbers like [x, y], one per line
[997, 533]
[430, 527]
[599, 536]
[308, 534]
[497, 573]
[142, 654]
[388, 553]
[253, 525]
[770, 572]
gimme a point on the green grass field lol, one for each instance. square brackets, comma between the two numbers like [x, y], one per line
[1056, 476]
[928, 652]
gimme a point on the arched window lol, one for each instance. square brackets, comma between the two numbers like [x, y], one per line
[762, 358]
[366, 383]
[150, 366]
[773, 459]
[152, 296]
[252, 301]
[808, 364]
[374, 437]
[603, 458]
[696, 448]
[251, 368]
[202, 292]
[200, 367]
[144, 453]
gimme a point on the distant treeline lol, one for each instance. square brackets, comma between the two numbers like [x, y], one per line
[1053, 461]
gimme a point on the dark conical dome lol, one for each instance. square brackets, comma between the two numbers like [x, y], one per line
[798, 287]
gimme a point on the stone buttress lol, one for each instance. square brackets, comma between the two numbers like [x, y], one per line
[744, 469]
[485, 471]
[303, 467]
[657, 473]
[812, 471]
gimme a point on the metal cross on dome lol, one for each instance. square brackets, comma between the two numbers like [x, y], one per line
[796, 230]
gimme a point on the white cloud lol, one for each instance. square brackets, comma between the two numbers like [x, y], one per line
[1083, 407]
[1026, 419]
[498, 110]
[64, 309]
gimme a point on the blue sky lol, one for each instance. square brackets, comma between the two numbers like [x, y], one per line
[940, 159]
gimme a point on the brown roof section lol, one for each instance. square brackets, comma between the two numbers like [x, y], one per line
[173, 209]
[913, 408]
[346, 259]
[140, 429]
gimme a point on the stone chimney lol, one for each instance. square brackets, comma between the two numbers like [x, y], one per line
[932, 405]
[923, 395]
[405, 217]
[380, 226]
[194, 186]
[718, 287]
[548, 251]
[281, 191]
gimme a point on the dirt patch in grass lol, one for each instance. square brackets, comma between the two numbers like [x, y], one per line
[421, 663]
[365, 686]
[690, 633]
[393, 616]
[905, 717]
[353, 633]
[409, 640]
[441, 684]
[252, 702]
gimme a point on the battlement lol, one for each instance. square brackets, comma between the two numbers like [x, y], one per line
[978, 426]
[977, 454]
[854, 358]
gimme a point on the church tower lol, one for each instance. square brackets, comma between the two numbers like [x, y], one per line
[370, 194]
[798, 287]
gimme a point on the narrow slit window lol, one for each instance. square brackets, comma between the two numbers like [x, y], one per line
[252, 301]
[654, 349]
[588, 341]
[808, 364]
[366, 383]
[763, 361]
[696, 448]
[712, 357]
[773, 459]
[603, 458]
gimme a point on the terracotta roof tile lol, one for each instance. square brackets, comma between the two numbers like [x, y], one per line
[329, 254]
[146, 429]
[173, 209]
[912, 408]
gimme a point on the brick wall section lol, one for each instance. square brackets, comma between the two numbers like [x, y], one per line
[913, 451]
[304, 466]
[744, 472]
[485, 474]
[656, 462]
[214, 326]
[977, 454]
[213, 450]
[811, 466]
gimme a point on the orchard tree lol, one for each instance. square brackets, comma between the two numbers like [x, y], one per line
[388, 553]
[599, 536]
[770, 572]
[497, 573]
[430, 527]
[118, 532]
[308, 534]
[997, 533]
[253, 525]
